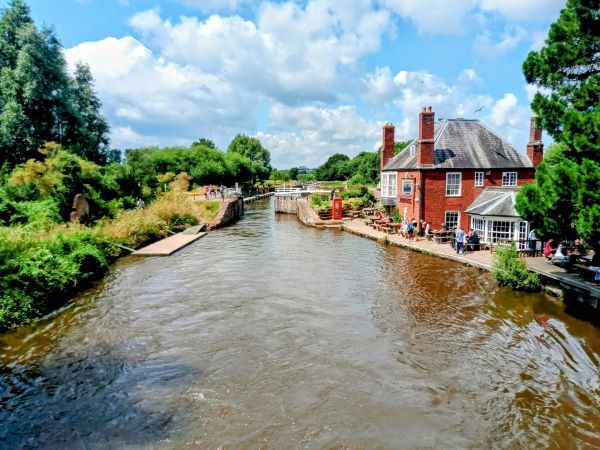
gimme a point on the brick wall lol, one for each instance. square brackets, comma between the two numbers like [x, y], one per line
[433, 203]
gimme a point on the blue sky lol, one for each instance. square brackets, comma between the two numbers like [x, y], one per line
[308, 78]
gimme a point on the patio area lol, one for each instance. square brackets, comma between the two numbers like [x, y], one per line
[482, 259]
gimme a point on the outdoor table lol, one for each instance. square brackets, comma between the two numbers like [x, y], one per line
[442, 236]
[395, 226]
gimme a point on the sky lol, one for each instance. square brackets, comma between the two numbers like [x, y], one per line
[308, 78]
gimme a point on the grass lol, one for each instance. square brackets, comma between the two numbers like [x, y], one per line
[208, 210]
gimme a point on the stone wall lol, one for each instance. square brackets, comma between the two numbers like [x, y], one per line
[231, 209]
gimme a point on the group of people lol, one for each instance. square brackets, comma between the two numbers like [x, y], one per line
[465, 240]
[563, 253]
[212, 191]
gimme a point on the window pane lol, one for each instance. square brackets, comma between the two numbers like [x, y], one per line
[509, 179]
[478, 179]
[451, 220]
[453, 183]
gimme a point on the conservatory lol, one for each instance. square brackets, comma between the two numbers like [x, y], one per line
[494, 217]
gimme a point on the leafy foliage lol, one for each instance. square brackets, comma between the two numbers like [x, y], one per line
[39, 100]
[564, 202]
[39, 271]
[511, 271]
[252, 149]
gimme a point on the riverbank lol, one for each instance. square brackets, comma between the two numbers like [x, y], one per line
[46, 266]
[555, 279]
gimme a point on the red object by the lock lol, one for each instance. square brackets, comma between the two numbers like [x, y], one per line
[336, 208]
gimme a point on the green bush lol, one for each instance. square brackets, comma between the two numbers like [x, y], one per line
[511, 271]
[358, 179]
[354, 191]
[40, 270]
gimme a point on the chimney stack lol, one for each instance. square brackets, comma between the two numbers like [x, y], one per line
[535, 147]
[425, 143]
[387, 148]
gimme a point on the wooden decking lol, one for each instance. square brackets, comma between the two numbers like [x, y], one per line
[169, 245]
[481, 259]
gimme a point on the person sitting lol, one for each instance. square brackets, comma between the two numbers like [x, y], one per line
[473, 240]
[578, 249]
[561, 257]
[549, 250]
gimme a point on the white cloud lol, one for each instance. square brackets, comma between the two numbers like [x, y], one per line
[308, 135]
[436, 16]
[379, 85]
[443, 16]
[469, 76]
[531, 10]
[486, 46]
[414, 90]
[290, 53]
[188, 78]
[511, 118]
[153, 97]
[215, 5]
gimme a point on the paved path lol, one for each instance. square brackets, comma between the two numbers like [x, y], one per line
[482, 259]
[169, 245]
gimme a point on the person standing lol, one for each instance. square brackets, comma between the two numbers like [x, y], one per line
[460, 236]
[532, 238]
[222, 192]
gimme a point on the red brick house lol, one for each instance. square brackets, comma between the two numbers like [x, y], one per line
[459, 172]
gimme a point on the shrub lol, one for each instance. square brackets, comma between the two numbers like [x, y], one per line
[41, 269]
[511, 271]
[208, 210]
[358, 179]
[354, 191]
[176, 209]
[134, 228]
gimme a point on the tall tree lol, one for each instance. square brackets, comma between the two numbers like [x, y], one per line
[564, 201]
[86, 130]
[252, 149]
[39, 102]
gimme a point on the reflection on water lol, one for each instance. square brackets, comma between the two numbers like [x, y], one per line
[271, 334]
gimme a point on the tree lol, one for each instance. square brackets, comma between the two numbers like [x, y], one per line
[86, 129]
[400, 145]
[205, 142]
[335, 168]
[39, 101]
[252, 149]
[293, 172]
[564, 201]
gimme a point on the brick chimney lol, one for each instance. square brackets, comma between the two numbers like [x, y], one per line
[387, 148]
[426, 130]
[535, 147]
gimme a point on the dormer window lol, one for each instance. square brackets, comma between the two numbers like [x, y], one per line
[412, 149]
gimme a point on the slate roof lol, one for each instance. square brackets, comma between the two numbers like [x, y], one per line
[495, 201]
[464, 144]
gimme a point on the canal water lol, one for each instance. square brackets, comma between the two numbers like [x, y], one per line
[269, 334]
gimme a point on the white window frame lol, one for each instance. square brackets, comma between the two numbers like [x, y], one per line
[446, 219]
[479, 226]
[501, 230]
[388, 184]
[507, 179]
[478, 179]
[448, 175]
